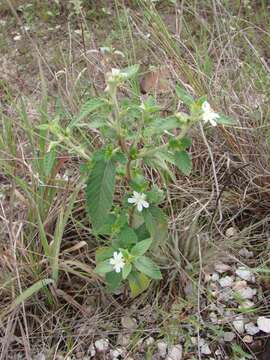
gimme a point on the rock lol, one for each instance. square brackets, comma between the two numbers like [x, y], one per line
[239, 284]
[225, 295]
[247, 339]
[205, 349]
[222, 268]
[162, 349]
[215, 277]
[226, 281]
[239, 326]
[92, 351]
[102, 345]
[264, 324]
[175, 353]
[149, 341]
[114, 354]
[123, 340]
[231, 231]
[251, 328]
[129, 323]
[40, 356]
[228, 336]
[213, 317]
[245, 274]
[246, 253]
[247, 293]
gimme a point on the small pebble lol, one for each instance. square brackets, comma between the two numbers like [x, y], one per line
[246, 304]
[114, 354]
[247, 293]
[246, 253]
[239, 326]
[231, 231]
[205, 349]
[247, 339]
[92, 351]
[228, 336]
[102, 345]
[251, 328]
[245, 274]
[264, 324]
[162, 349]
[175, 353]
[226, 281]
[215, 277]
[149, 341]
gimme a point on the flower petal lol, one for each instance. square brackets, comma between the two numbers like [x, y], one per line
[132, 200]
[206, 106]
[139, 206]
[145, 204]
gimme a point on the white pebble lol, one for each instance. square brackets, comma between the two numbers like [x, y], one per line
[17, 37]
[251, 328]
[215, 277]
[246, 253]
[149, 341]
[264, 324]
[247, 293]
[247, 339]
[114, 354]
[102, 345]
[175, 353]
[228, 336]
[92, 351]
[226, 281]
[231, 231]
[245, 274]
[162, 349]
[239, 326]
[205, 349]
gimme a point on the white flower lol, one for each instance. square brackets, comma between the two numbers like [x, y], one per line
[117, 261]
[208, 114]
[139, 200]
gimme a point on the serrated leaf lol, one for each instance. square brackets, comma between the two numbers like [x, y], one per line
[104, 253]
[138, 283]
[99, 192]
[90, 106]
[141, 247]
[184, 95]
[126, 270]
[104, 267]
[156, 223]
[183, 162]
[158, 126]
[145, 265]
[126, 238]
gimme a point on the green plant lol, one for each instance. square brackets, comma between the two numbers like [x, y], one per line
[135, 137]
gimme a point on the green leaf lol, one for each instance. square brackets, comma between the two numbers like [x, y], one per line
[126, 270]
[184, 95]
[88, 107]
[141, 247]
[126, 238]
[183, 162]
[49, 161]
[225, 120]
[99, 192]
[138, 283]
[130, 71]
[104, 267]
[156, 223]
[104, 253]
[145, 265]
[158, 126]
[107, 227]
[113, 280]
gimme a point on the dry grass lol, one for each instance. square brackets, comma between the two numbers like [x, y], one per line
[212, 49]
